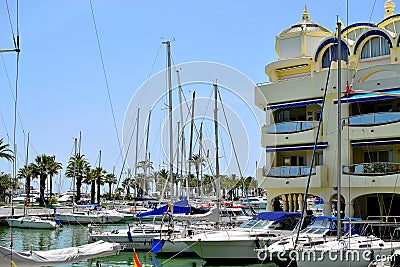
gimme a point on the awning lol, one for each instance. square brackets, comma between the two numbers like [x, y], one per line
[375, 143]
[321, 145]
[295, 104]
[373, 96]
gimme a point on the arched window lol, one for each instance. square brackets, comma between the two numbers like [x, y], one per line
[331, 55]
[375, 47]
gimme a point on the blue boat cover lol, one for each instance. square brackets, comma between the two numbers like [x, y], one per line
[277, 216]
[179, 207]
[156, 245]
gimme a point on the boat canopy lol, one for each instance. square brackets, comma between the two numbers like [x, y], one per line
[277, 216]
[181, 206]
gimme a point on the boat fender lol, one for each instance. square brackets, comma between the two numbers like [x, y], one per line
[130, 236]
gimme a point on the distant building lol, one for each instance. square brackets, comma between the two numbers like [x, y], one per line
[292, 101]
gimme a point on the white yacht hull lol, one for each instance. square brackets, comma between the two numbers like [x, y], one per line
[31, 223]
[173, 247]
[82, 218]
[213, 250]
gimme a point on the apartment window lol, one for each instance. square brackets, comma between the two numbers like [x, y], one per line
[319, 159]
[294, 160]
[378, 156]
[375, 47]
[283, 116]
[331, 55]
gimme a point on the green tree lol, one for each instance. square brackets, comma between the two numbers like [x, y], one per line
[5, 152]
[99, 173]
[126, 184]
[27, 173]
[42, 167]
[78, 167]
[54, 168]
[161, 179]
[110, 179]
[197, 161]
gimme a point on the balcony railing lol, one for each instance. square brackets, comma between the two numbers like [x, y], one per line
[289, 171]
[374, 118]
[290, 127]
[372, 169]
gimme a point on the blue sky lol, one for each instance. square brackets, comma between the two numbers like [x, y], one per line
[62, 89]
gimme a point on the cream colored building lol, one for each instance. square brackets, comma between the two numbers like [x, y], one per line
[370, 142]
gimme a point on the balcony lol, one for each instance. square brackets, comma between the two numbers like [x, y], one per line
[294, 177]
[291, 127]
[372, 169]
[289, 171]
[371, 175]
[374, 119]
[374, 125]
[290, 133]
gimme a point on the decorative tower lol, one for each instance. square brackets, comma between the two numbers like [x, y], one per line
[389, 8]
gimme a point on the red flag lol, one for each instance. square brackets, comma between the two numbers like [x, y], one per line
[348, 89]
[136, 262]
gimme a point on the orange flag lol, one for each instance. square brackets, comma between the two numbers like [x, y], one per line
[136, 262]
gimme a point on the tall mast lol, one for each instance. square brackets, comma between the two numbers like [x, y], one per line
[190, 147]
[146, 157]
[136, 151]
[179, 190]
[27, 186]
[171, 151]
[182, 131]
[339, 130]
[73, 183]
[217, 182]
[199, 185]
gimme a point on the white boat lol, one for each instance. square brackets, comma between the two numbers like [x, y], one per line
[90, 216]
[258, 203]
[239, 244]
[136, 237]
[359, 250]
[32, 222]
[320, 230]
[57, 256]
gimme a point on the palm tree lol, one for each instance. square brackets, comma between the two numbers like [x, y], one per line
[5, 152]
[110, 179]
[127, 183]
[99, 174]
[91, 179]
[145, 165]
[42, 167]
[163, 174]
[26, 172]
[54, 167]
[198, 161]
[78, 167]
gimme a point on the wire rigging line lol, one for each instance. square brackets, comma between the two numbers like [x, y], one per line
[372, 11]
[106, 79]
